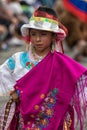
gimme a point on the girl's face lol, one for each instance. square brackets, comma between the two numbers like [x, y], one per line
[41, 40]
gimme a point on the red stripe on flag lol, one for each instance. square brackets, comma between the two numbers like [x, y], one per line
[71, 8]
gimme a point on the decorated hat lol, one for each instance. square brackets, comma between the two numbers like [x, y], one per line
[44, 20]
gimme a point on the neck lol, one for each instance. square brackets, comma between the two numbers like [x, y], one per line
[42, 53]
[39, 55]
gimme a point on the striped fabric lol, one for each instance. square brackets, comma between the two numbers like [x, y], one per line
[77, 7]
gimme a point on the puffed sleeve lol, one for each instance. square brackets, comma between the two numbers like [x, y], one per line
[7, 79]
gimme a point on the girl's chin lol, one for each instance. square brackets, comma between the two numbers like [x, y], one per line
[39, 49]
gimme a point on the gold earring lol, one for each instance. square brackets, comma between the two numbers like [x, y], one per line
[53, 47]
[27, 47]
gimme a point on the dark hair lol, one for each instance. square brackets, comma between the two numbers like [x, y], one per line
[47, 10]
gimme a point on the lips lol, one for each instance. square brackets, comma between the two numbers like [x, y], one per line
[38, 45]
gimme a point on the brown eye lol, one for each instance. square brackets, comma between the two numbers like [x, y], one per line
[44, 33]
[32, 33]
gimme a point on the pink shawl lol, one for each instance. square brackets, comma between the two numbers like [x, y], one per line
[46, 91]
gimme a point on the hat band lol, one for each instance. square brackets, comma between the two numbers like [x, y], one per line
[44, 23]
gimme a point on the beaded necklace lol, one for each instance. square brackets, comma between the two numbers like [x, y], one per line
[37, 57]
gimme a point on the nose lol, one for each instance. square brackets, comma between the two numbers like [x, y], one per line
[38, 37]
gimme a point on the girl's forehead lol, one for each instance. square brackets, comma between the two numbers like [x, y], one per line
[36, 30]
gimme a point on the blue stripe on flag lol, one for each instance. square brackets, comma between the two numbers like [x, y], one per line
[80, 4]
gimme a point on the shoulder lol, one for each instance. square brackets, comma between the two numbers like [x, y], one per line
[12, 60]
[17, 54]
[67, 59]
[67, 63]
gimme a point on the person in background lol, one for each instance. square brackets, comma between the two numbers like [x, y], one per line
[12, 21]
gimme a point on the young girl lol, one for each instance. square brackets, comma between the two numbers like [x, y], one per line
[46, 87]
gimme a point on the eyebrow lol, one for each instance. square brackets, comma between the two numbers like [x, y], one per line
[38, 30]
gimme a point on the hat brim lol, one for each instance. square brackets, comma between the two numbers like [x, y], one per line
[26, 27]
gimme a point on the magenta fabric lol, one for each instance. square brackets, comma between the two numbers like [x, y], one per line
[55, 72]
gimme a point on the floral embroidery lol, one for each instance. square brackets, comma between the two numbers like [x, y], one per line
[46, 112]
[21, 123]
[36, 107]
[26, 62]
[29, 65]
[42, 95]
[18, 92]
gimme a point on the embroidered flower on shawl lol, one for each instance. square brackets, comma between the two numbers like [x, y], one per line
[21, 122]
[46, 112]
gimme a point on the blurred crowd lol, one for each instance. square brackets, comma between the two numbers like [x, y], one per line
[14, 13]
